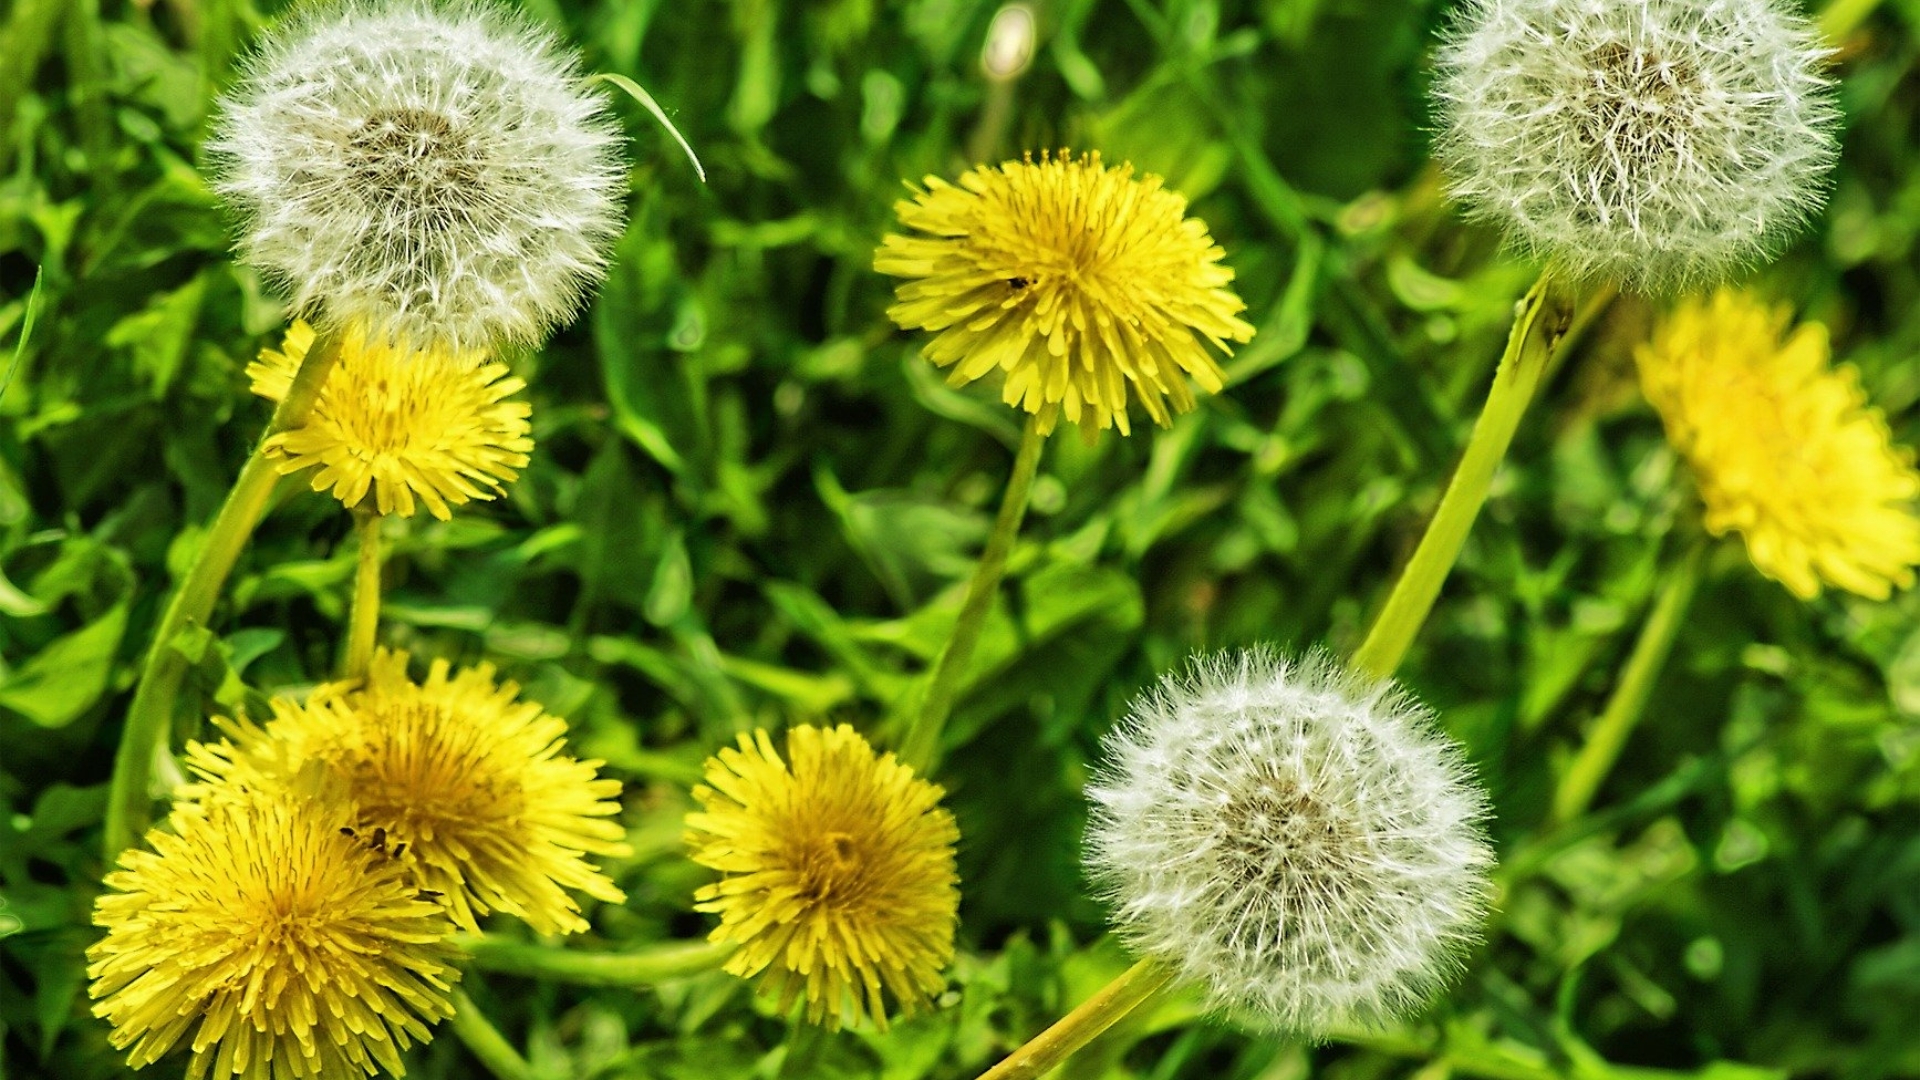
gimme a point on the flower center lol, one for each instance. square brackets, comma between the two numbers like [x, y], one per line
[432, 778]
[831, 868]
[415, 162]
[1277, 837]
[1632, 108]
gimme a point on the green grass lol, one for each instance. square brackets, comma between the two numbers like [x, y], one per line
[753, 504]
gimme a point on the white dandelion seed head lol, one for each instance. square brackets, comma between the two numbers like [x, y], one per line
[438, 171]
[1659, 144]
[1301, 844]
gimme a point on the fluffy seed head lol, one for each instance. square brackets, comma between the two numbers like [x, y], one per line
[837, 872]
[1784, 446]
[1082, 283]
[1297, 842]
[1655, 143]
[469, 788]
[269, 940]
[436, 171]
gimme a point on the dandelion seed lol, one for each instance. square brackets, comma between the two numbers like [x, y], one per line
[1299, 843]
[433, 426]
[470, 788]
[271, 943]
[1786, 449]
[838, 872]
[1077, 280]
[436, 172]
[1656, 143]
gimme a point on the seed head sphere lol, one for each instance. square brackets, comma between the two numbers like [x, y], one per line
[1658, 144]
[1300, 844]
[435, 171]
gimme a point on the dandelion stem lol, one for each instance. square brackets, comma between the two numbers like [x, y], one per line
[1842, 17]
[150, 717]
[1042, 1053]
[636, 968]
[1542, 318]
[485, 1042]
[1609, 733]
[363, 624]
[920, 746]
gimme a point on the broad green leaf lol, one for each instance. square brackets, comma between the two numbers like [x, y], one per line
[54, 686]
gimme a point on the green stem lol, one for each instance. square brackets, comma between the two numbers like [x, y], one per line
[1609, 733]
[363, 624]
[920, 746]
[150, 717]
[1842, 17]
[1542, 317]
[1042, 1053]
[485, 1042]
[634, 969]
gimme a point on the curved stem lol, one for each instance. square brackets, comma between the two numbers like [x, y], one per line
[920, 746]
[1139, 984]
[150, 717]
[1609, 733]
[639, 968]
[1537, 327]
[485, 1042]
[363, 624]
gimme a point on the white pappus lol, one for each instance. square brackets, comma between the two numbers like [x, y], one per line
[436, 171]
[1658, 144]
[1300, 843]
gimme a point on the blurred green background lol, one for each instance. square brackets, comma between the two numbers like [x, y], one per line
[753, 504]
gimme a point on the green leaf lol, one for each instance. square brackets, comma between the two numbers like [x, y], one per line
[158, 336]
[64, 679]
[646, 101]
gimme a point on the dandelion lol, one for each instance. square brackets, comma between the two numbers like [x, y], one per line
[468, 787]
[437, 172]
[838, 872]
[1785, 448]
[1076, 280]
[434, 425]
[1299, 843]
[1651, 142]
[272, 942]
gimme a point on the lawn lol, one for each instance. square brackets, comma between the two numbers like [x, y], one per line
[752, 503]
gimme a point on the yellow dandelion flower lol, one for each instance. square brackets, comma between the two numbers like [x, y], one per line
[271, 942]
[1784, 446]
[1075, 279]
[471, 789]
[431, 425]
[838, 872]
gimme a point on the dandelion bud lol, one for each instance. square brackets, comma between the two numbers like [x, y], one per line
[1656, 143]
[440, 174]
[1299, 843]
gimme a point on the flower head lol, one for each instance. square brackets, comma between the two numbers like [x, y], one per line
[437, 172]
[1077, 280]
[430, 425]
[1652, 142]
[1785, 448]
[270, 940]
[468, 787]
[838, 872]
[1300, 844]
